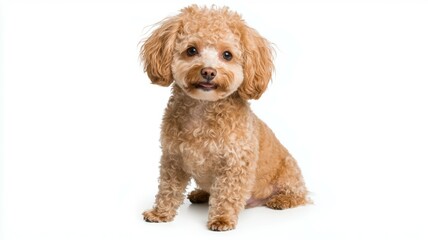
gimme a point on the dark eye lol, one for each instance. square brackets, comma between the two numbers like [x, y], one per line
[227, 56]
[191, 51]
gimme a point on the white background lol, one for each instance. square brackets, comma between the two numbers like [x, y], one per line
[80, 147]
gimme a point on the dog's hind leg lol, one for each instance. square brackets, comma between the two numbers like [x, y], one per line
[289, 190]
[284, 199]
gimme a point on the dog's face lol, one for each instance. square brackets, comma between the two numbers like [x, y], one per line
[210, 53]
[207, 66]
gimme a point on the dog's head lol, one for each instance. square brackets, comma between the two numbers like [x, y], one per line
[210, 53]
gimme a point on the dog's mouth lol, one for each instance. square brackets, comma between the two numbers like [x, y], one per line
[206, 86]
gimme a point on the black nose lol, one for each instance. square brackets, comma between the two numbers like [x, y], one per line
[208, 73]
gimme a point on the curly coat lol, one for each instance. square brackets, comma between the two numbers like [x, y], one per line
[212, 135]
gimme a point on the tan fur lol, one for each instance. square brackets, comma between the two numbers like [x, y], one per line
[212, 135]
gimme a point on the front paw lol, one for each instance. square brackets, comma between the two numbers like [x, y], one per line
[221, 223]
[155, 216]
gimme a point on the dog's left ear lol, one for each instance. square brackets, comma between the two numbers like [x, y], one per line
[157, 51]
[258, 64]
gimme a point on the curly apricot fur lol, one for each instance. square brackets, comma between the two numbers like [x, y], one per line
[209, 132]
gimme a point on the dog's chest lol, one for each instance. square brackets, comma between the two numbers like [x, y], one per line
[202, 137]
[207, 136]
[201, 142]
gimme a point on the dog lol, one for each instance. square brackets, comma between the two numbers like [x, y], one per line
[216, 63]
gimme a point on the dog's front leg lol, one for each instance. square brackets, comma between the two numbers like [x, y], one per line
[229, 194]
[172, 185]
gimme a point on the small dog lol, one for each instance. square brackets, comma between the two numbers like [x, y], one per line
[216, 63]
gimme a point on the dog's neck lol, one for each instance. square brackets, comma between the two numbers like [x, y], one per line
[232, 100]
[185, 114]
[181, 103]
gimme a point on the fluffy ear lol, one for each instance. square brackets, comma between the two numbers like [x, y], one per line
[258, 64]
[157, 51]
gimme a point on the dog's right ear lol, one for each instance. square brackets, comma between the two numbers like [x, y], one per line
[157, 51]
